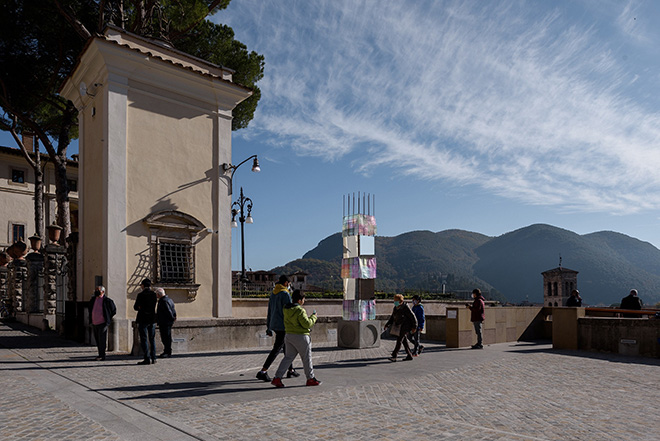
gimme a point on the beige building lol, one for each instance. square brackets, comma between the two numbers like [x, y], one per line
[17, 195]
[155, 129]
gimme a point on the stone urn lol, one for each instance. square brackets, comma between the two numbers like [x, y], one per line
[35, 243]
[54, 232]
[18, 250]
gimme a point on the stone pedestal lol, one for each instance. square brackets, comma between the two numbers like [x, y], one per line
[358, 334]
[54, 271]
[18, 277]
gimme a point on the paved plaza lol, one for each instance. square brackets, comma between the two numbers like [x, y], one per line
[53, 389]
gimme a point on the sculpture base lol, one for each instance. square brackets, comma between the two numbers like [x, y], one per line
[358, 334]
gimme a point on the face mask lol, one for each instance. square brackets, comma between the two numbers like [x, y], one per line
[397, 303]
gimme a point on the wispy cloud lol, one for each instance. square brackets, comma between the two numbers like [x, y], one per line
[528, 104]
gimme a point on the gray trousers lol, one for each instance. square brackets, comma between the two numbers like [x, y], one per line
[295, 344]
[477, 329]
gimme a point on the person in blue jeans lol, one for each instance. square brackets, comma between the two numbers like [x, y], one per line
[145, 305]
[415, 335]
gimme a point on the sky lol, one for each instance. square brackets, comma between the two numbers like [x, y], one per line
[473, 115]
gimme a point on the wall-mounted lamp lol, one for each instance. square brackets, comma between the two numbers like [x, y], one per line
[231, 169]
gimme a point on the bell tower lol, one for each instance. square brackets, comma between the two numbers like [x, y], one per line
[558, 283]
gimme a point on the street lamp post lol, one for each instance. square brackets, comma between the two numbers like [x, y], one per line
[238, 208]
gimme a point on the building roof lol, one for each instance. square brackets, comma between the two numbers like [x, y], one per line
[17, 152]
[121, 37]
[559, 270]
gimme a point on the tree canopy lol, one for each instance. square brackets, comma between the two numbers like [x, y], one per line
[40, 42]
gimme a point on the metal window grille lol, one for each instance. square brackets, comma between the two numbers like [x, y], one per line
[17, 176]
[176, 262]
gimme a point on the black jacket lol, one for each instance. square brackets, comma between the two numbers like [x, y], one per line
[403, 316]
[109, 309]
[573, 301]
[145, 305]
[165, 312]
[631, 302]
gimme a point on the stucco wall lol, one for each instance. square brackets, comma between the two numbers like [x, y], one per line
[170, 151]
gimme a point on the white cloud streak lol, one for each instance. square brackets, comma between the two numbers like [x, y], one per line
[528, 104]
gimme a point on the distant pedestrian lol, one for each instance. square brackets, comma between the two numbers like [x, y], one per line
[275, 323]
[165, 318]
[401, 322]
[478, 316]
[297, 341]
[145, 305]
[574, 299]
[632, 302]
[101, 311]
[418, 310]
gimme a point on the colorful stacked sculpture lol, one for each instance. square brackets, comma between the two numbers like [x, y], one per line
[358, 269]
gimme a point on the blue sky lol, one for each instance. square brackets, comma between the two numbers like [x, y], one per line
[482, 116]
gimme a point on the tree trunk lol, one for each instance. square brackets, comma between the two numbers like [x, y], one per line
[62, 196]
[38, 196]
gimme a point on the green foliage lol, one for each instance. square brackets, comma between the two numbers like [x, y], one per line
[38, 49]
[216, 44]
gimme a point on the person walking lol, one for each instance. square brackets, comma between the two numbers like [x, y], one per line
[275, 323]
[632, 302]
[414, 336]
[401, 322]
[145, 305]
[478, 316]
[165, 318]
[101, 311]
[574, 299]
[297, 326]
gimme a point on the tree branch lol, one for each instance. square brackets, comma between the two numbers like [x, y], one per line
[80, 28]
[19, 141]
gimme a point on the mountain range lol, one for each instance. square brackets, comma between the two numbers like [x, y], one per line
[508, 266]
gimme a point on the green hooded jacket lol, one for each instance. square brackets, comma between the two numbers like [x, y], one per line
[296, 320]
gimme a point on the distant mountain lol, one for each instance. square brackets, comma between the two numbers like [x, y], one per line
[609, 263]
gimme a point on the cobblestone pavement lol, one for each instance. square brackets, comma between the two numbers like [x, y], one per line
[52, 389]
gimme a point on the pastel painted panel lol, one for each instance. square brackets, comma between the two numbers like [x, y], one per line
[367, 245]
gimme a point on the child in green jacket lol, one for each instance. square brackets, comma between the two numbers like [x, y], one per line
[297, 341]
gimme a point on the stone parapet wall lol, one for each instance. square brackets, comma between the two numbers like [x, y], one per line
[502, 324]
[626, 336]
[255, 308]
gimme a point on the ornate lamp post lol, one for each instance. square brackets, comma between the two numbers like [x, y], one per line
[226, 167]
[238, 208]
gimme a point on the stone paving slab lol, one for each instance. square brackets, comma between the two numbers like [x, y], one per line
[504, 392]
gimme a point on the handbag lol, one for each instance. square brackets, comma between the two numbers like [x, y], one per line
[395, 330]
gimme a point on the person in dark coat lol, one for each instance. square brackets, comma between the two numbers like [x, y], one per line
[101, 311]
[477, 316]
[631, 301]
[165, 318]
[574, 299]
[145, 305]
[403, 319]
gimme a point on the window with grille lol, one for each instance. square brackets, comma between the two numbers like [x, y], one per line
[17, 176]
[176, 262]
[17, 232]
